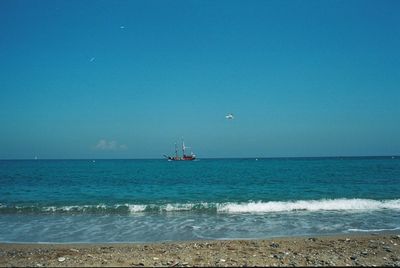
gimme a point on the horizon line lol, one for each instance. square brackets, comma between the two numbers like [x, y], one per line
[246, 157]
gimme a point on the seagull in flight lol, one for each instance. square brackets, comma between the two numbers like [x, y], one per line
[229, 116]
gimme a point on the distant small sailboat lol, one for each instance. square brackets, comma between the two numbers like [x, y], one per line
[184, 156]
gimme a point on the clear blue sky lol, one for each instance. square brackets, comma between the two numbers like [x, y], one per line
[126, 79]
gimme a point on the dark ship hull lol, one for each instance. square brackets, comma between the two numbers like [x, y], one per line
[184, 158]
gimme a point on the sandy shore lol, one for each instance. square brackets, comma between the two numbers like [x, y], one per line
[355, 250]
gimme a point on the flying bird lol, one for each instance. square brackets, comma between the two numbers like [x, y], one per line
[229, 116]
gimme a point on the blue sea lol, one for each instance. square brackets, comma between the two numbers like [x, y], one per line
[80, 201]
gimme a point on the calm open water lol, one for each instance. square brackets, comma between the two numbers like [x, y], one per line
[156, 200]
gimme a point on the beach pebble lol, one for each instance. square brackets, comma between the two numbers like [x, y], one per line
[175, 264]
[388, 249]
[74, 250]
[279, 257]
[274, 245]
[222, 260]
[155, 258]
[61, 259]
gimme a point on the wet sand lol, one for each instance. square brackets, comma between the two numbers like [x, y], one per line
[354, 250]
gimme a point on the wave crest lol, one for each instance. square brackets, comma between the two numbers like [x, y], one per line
[228, 207]
[311, 205]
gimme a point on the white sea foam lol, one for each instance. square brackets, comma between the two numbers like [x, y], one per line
[186, 206]
[229, 207]
[177, 207]
[373, 230]
[309, 205]
[73, 208]
[136, 208]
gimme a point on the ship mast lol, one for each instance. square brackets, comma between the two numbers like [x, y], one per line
[183, 148]
[176, 150]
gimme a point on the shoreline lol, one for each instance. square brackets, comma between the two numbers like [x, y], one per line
[380, 249]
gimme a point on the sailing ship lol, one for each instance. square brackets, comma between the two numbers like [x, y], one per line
[184, 156]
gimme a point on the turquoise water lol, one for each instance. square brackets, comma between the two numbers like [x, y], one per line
[156, 200]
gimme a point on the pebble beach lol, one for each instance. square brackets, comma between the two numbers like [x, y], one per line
[354, 250]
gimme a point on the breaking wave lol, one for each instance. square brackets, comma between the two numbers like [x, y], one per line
[312, 205]
[228, 207]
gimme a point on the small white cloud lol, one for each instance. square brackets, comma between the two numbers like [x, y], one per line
[105, 145]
